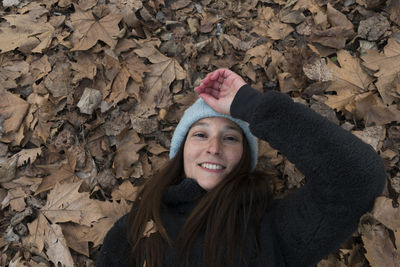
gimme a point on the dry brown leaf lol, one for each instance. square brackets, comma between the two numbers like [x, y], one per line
[111, 211]
[41, 112]
[12, 73]
[379, 247]
[58, 81]
[387, 214]
[66, 204]
[370, 107]
[155, 148]
[318, 70]
[125, 191]
[264, 15]
[150, 228]
[15, 198]
[85, 67]
[307, 5]
[278, 31]
[49, 236]
[131, 67]
[88, 30]
[58, 174]
[337, 19]
[13, 110]
[162, 73]
[28, 155]
[75, 237]
[25, 33]
[348, 80]
[387, 67]
[372, 135]
[40, 68]
[394, 10]
[126, 154]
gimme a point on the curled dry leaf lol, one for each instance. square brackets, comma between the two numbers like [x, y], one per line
[150, 228]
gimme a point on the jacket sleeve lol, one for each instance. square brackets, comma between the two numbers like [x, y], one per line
[115, 249]
[344, 175]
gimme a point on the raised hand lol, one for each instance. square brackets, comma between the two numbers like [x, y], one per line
[219, 88]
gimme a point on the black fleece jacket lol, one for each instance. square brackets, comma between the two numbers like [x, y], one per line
[344, 176]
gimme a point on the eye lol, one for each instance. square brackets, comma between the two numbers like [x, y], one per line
[231, 138]
[200, 135]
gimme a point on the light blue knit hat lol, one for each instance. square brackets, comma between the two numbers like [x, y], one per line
[200, 110]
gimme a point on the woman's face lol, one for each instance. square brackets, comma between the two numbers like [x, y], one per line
[212, 149]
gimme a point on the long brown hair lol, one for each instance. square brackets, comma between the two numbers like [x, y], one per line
[223, 213]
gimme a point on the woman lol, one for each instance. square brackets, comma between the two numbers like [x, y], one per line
[210, 207]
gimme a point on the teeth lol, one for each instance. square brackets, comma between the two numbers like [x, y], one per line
[211, 166]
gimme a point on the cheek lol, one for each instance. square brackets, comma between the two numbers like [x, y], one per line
[236, 155]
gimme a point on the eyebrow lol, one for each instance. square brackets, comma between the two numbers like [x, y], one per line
[228, 127]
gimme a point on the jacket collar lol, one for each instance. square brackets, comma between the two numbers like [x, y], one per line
[184, 194]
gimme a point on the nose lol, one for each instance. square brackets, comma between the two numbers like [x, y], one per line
[214, 146]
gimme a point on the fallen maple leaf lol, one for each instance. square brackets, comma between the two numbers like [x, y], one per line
[58, 174]
[387, 67]
[66, 204]
[49, 236]
[348, 80]
[162, 72]
[131, 67]
[88, 30]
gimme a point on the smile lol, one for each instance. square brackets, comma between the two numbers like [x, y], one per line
[211, 166]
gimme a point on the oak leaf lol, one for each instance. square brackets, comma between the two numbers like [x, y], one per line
[88, 30]
[387, 67]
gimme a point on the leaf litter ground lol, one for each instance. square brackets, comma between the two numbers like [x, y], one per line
[91, 92]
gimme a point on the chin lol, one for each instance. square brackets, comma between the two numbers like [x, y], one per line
[208, 185]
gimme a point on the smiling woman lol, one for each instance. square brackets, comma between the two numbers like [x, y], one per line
[212, 149]
[210, 207]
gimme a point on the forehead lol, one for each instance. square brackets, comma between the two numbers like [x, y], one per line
[217, 122]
